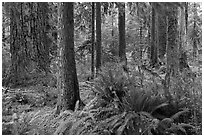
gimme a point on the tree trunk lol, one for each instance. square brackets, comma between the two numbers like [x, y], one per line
[112, 25]
[71, 87]
[93, 39]
[172, 43]
[59, 60]
[98, 36]
[186, 16]
[156, 43]
[121, 29]
[149, 39]
[3, 27]
[162, 36]
[13, 48]
[140, 37]
[182, 40]
[17, 45]
[43, 41]
[153, 46]
[195, 48]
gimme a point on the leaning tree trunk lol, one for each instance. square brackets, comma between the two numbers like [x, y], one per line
[71, 87]
[98, 36]
[121, 29]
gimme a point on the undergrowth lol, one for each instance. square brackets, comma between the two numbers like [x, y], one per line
[121, 104]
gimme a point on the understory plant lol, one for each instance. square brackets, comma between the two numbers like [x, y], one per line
[136, 99]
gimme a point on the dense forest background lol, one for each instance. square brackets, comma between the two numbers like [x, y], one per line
[100, 68]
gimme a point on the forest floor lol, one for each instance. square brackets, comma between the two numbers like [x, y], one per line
[31, 111]
[25, 104]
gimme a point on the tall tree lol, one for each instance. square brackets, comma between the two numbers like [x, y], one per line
[153, 38]
[18, 46]
[13, 44]
[186, 16]
[59, 60]
[172, 41]
[3, 24]
[71, 87]
[98, 36]
[41, 33]
[93, 39]
[141, 23]
[182, 37]
[162, 25]
[181, 28]
[156, 42]
[195, 48]
[121, 27]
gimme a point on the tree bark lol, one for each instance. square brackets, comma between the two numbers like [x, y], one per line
[93, 39]
[43, 41]
[195, 48]
[71, 87]
[153, 39]
[162, 36]
[98, 36]
[60, 75]
[121, 29]
[186, 16]
[13, 48]
[17, 46]
[172, 42]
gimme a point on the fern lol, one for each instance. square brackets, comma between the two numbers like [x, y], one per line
[123, 123]
[139, 101]
[63, 126]
[176, 116]
[79, 124]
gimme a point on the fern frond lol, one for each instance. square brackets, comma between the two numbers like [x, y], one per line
[63, 126]
[78, 124]
[159, 106]
[128, 118]
[186, 125]
[175, 116]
